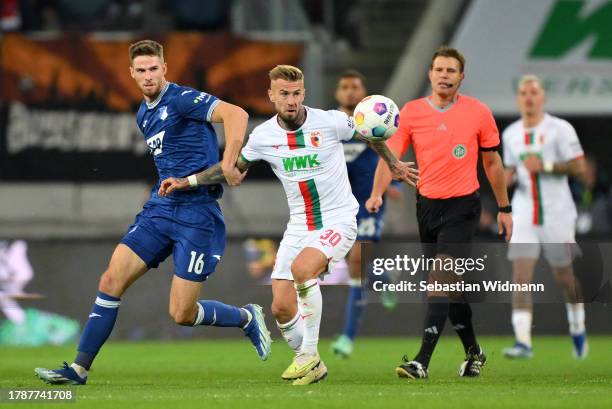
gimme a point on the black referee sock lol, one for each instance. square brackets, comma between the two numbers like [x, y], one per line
[460, 315]
[435, 318]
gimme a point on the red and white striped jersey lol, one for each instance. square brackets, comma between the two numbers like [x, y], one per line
[542, 197]
[311, 166]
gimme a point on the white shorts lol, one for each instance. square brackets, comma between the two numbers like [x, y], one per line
[334, 240]
[558, 239]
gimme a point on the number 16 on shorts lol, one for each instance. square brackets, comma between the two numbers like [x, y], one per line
[196, 263]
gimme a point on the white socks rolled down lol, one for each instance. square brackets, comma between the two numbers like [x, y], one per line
[521, 322]
[293, 332]
[310, 305]
[575, 318]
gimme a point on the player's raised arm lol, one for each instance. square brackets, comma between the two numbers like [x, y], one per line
[234, 121]
[403, 171]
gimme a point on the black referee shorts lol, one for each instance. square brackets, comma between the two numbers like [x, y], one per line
[447, 226]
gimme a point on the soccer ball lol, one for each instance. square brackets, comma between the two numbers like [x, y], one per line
[376, 117]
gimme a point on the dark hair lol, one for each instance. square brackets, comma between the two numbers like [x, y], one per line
[146, 47]
[352, 73]
[446, 51]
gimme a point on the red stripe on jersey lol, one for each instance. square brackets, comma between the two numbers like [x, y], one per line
[310, 220]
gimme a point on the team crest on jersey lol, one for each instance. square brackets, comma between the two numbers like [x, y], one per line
[163, 113]
[459, 151]
[315, 139]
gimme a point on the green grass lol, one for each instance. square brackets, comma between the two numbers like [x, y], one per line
[219, 374]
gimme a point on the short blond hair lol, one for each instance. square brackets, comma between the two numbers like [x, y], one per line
[529, 78]
[287, 73]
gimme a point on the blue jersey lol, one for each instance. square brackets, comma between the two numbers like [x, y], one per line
[177, 129]
[361, 162]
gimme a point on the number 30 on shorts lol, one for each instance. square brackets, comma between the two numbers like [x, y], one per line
[331, 237]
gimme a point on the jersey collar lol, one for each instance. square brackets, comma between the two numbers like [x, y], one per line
[305, 120]
[437, 108]
[544, 118]
[151, 105]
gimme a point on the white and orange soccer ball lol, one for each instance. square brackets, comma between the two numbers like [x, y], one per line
[376, 117]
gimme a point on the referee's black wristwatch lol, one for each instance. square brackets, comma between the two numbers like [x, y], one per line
[505, 209]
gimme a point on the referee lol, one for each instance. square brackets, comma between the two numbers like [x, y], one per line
[446, 131]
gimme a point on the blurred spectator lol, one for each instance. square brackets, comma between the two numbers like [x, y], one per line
[90, 15]
[198, 15]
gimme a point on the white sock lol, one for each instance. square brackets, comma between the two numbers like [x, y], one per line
[82, 372]
[293, 332]
[575, 318]
[310, 305]
[521, 322]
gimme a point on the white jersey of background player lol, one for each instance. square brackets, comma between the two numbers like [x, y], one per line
[303, 146]
[540, 151]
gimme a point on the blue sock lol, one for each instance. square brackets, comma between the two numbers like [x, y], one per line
[97, 328]
[355, 305]
[217, 314]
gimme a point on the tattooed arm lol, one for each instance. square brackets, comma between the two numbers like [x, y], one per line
[210, 176]
[403, 171]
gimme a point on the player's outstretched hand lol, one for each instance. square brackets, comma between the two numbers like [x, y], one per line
[169, 185]
[504, 224]
[233, 176]
[373, 204]
[406, 172]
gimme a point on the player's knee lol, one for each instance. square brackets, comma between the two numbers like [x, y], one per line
[109, 284]
[183, 316]
[282, 311]
[302, 271]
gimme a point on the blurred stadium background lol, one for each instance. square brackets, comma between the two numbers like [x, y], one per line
[74, 170]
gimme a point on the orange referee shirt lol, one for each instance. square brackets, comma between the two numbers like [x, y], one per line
[446, 143]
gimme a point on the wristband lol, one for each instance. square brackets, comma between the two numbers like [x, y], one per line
[505, 209]
[548, 167]
[193, 180]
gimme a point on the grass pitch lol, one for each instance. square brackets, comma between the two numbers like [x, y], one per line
[228, 374]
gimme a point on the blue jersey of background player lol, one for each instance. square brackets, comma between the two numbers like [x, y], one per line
[361, 162]
[175, 122]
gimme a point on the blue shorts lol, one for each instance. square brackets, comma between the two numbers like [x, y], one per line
[369, 225]
[193, 233]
